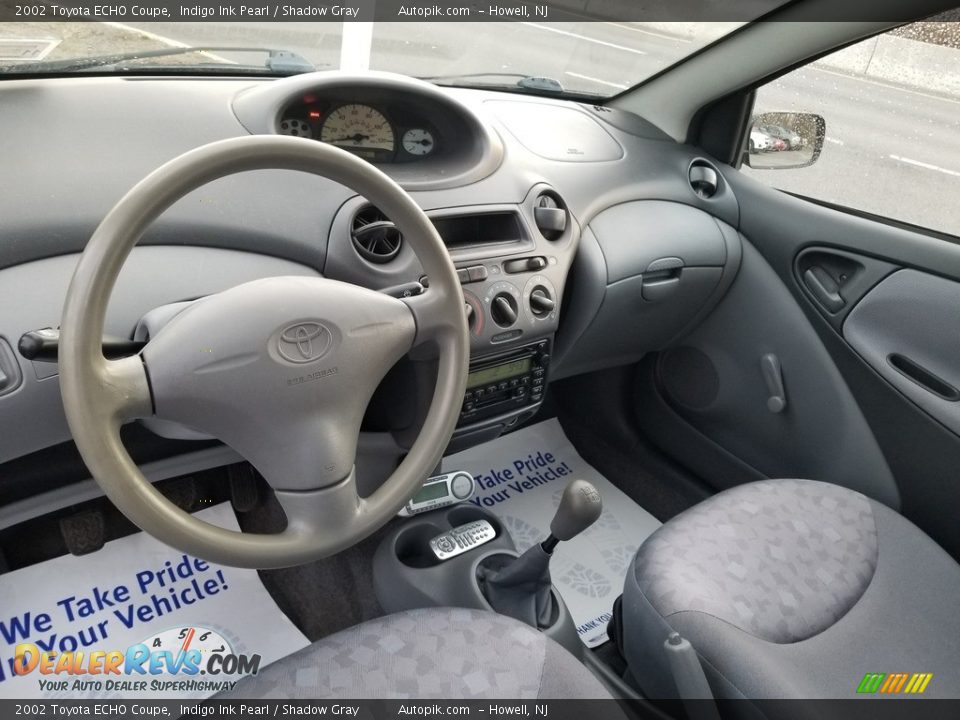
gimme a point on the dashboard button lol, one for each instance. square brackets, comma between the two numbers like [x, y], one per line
[477, 273]
[531, 264]
[463, 275]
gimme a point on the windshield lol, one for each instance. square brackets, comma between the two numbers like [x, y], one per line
[587, 58]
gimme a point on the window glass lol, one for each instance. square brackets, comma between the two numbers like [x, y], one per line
[891, 105]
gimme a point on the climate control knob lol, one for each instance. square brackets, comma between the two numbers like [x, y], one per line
[541, 303]
[503, 309]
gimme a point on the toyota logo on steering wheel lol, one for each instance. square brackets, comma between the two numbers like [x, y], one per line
[304, 342]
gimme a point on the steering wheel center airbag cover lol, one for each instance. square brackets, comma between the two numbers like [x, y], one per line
[280, 369]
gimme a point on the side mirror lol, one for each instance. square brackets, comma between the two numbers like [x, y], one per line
[784, 140]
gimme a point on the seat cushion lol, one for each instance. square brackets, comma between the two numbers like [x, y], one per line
[781, 560]
[427, 653]
[789, 589]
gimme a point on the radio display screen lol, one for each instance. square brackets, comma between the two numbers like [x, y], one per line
[433, 491]
[499, 372]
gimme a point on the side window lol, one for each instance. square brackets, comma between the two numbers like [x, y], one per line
[888, 131]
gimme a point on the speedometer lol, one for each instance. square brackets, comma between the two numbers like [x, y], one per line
[359, 128]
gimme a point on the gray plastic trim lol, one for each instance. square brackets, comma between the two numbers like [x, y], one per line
[646, 272]
[822, 434]
[913, 314]
[34, 507]
[557, 131]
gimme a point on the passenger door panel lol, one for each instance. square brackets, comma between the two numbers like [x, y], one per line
[907, 329]
[895, 342]
[755, 379]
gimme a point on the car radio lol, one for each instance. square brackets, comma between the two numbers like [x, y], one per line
[503, 383]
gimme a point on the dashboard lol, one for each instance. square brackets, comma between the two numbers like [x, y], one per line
[578, 239]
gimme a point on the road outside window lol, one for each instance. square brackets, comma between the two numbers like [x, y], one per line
[892, 111]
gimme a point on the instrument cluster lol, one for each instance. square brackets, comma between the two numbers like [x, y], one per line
[378, 133]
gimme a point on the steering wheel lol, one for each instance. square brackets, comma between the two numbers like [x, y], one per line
[280, 369]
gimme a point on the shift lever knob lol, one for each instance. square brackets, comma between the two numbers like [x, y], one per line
[580, 506]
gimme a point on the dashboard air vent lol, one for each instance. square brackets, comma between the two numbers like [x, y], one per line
[704, 179]
[375, 237]
[550, 215]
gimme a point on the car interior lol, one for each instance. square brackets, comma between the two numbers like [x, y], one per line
[302, 292]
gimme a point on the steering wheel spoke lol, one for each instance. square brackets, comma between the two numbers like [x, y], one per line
[431, 314]
[310, 512]
[126, 386]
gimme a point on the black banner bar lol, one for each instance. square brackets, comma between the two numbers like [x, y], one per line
[452, 11]
[854, 709]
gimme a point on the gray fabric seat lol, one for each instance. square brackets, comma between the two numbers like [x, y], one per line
[793, 589]
[428, 653]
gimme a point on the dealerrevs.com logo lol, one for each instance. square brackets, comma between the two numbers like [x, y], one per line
[184, 653]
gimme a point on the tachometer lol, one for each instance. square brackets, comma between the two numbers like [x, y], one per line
[359, 128]
[418, 141]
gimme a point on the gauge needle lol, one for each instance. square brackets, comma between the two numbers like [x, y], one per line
[186, 642]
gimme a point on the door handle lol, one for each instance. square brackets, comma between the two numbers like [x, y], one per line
[923, 377]
[824, 288]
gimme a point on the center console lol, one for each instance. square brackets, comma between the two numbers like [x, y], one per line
[435, 560]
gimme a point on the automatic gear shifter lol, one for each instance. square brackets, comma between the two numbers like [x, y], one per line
[521, 588]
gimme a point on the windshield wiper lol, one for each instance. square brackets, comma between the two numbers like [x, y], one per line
[536, 83]
[278, 61]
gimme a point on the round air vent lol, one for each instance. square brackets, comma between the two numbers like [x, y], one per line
[374, 236]
[550, 215]
[704, 179]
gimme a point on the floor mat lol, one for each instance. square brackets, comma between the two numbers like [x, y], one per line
[520, 478]
[138, 592]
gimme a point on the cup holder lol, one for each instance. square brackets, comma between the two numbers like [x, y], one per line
[412, 545]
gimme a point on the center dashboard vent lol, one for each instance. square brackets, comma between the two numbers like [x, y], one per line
[375, 237]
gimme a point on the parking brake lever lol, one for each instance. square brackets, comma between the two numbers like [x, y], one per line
[43, 346]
